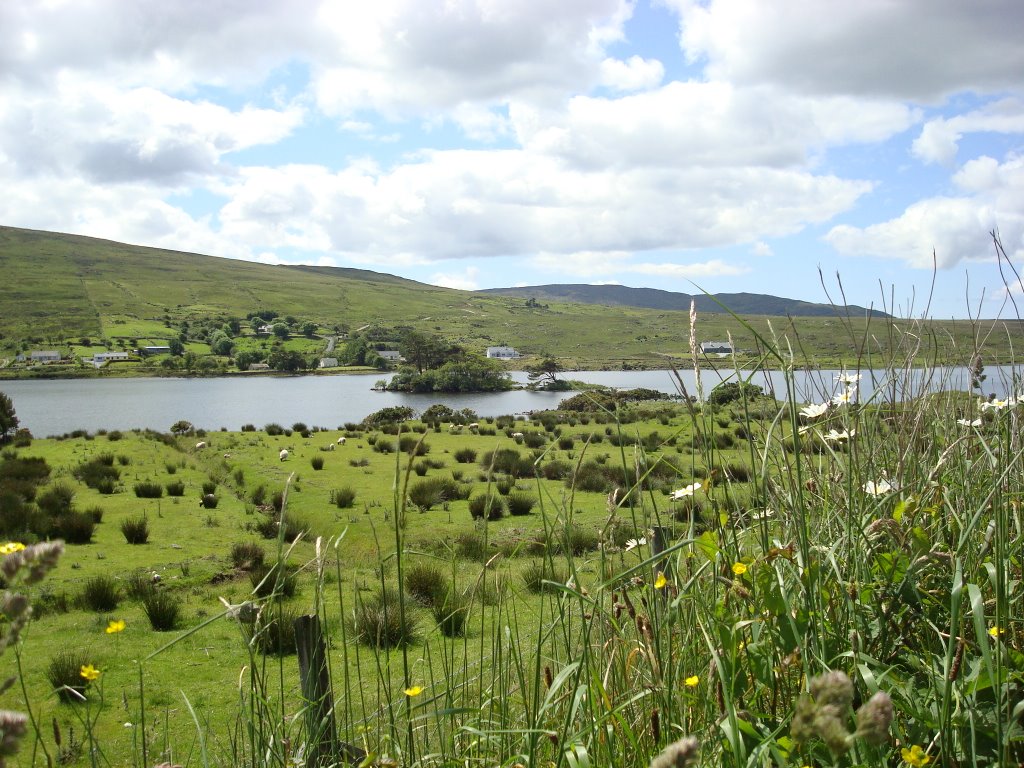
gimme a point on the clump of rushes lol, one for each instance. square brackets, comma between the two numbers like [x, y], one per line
[162, 609]
[135, 530]
[64, 673]
[379, 621]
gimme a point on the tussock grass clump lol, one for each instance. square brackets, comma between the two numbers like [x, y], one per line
[451, 612]
[76, 527]
[484, 506]
[425, 583]
[273, 579]
[343, 498]
[64, 673]
[380, 622]
[162, 607]
[148, 490]
[465, 455]
[135, 529]
[176, 488]
[317, 462]
[97, 472]
[539, 576]
[100, 593]
[520, 504]
[247, 555]
[274, 632]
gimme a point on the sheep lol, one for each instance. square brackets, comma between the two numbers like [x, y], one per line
[227, 455]
[330, 447]
[200, 446]
[474, 427]
[517, 435]
[455, 429]
[341, 440]
[283, 454]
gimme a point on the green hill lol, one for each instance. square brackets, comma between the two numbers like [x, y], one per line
[59, 288]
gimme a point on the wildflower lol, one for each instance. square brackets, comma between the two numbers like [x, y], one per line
[813, 410]
[880, 488]
[995, 403]
[115, 626]
[689, 490]
[660, 581]
[835, 437]
[416, 690]
[678, 754]
[739, 568]
[11, 547]
[845, 397]
[692, 681]
[915, 756]
[89, 672]
[634, 543]
[969, 422]
[850, 379]
[996, 631]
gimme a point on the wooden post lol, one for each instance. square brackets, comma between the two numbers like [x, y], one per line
[316, 690]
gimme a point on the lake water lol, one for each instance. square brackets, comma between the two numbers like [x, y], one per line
[53, 407]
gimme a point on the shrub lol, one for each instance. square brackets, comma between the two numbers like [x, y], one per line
[75, 527]
[504, 485]
[259, 495]
[420, 468]
[520, 504]
[343, 498]
[424, 494]
[425, 583]
[135, 530]
[472, 546]
[246, 555]
[137, 583]
[491, 507]
[57, 500]
[171, 468]
[379, 622]
[384, 446]
[465, 455]
[209, 501]
[100, 593]
[412, 444]
[264, 579]
[556, 470]
[248, 427]
[451, 612]
[317, 462]
[114, 435]
[541, 577]
[209, 487]
[275, 631]
[577, 540]
[176, 488]
[148, 490]
[535, 440]
[273, 429]
[162, 608]
[590, 476]
[64, 674]
[97, 472]
[96, 513]
[732, 391]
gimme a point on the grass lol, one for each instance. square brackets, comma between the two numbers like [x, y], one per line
[606, 624]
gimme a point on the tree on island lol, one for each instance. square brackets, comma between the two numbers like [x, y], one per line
[423, 350]
[471, 373]
[8, 419]
[544, 375]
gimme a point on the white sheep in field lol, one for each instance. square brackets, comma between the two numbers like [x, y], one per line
[227, 455]
[283, 454]
[517, 435]
[455, 429]
[330, 446]
[474, 427]
[341, 440]
[200, 446]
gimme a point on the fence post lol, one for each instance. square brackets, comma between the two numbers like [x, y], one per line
[316, 691]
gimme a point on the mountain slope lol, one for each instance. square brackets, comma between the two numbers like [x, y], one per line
[653, 298]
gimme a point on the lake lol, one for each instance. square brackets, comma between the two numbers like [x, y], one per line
[54, 407]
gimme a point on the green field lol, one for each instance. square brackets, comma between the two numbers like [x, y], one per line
[882, 541]
[58, 289]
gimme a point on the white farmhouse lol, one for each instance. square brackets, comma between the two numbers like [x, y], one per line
[502, 353]
[328, 362]
[391, 355]
[716, 347]
[44, 356]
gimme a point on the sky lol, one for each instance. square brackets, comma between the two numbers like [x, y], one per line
[800, 148]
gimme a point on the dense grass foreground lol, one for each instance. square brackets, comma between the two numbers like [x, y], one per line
[830, 584]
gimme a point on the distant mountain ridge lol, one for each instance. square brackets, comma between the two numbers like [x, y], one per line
[653, 298]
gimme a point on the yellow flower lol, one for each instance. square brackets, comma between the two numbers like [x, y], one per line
[89, 672]
[115, 626]
[11, 547]
[660, 581]
[739, 568]
[996, 631]
[915, 756]
[416, 690]
[692, 681]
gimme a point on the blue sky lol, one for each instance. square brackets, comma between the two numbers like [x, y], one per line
[727, 145]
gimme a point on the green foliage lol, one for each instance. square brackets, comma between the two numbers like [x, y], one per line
[734, 391]
[380, 622]
[343, 498]
[100, 593]
[247, 555]
[426, 583]
[469, 374]
[162, 608]
[64, 675]
[391, 415]
[8, 418]
[148, 490]
[135, 530]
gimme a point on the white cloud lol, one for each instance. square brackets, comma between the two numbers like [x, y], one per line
[467, 280]
[762, 248]
[940, 138]
[634, 74]
[591, 267]
[923, 50]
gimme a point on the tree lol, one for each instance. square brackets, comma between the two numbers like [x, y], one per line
[544, 375]
[8, 419]
[422, 350]
[176, 347]
[285, 360]
[281, 330]
[309, 329]
[182, 427]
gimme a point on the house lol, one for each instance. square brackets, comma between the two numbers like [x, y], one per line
[44, 356]
[99, 359]
[259, 367]
[502, 353]
[144, 351]
[716, 347]
[391, 355]
[328, 362]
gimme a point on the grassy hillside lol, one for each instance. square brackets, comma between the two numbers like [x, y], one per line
[58, 288]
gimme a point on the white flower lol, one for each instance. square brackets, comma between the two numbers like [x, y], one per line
[813, 410]
[845, 397]
[849, 379]
[969, 422]
[997, 404]
[834, 436]
[634, 543]
[689, 490]
[880, 488]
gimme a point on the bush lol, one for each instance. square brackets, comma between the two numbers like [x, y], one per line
[210, 487]
[425, 583]
[411, 444]
[162, 609]
[465, 455]
[264, 579]
[100, 593]
[57, 500]
[520, 504]
[97, 472]
[64, 674]
[451, 612]
[556, 470]
[536, 440]
[317, 462]
[75, 527]
[135, 530]
[343, 498]
[171, 468]
[379, 622]
[536, 576]
[384, 446]
[247, 555]
[732, 391]
[425, 494]
[149, 490]
[275, 631]
[259, 495]
[273, 429]
[176, 488]
[420, 468]
[491, 507]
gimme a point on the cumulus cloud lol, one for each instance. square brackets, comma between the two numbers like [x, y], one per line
[939, 138]
[922, 50]
[467, 280]
[634, 74]
[596, 267]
